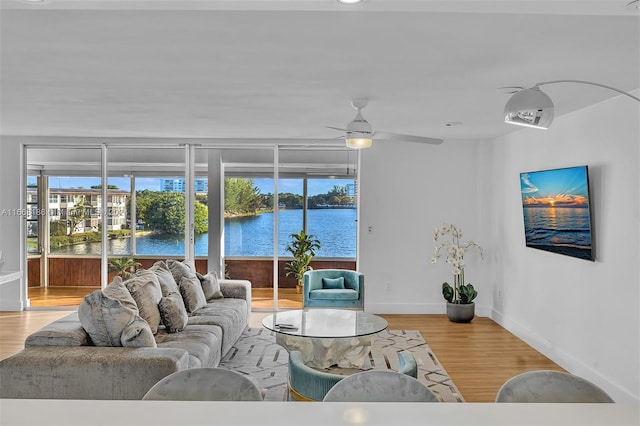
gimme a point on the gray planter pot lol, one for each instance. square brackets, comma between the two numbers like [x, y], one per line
[457, 312]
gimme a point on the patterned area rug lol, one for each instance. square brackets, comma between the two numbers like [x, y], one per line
[257, 356]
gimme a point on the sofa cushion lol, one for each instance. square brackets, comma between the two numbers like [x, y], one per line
[173, 312]
[138, 334]
[181, 269]
[333, 283]
[106, 319]
[192, 293]
[201, 342]
[66, 331]
[210, 285]
[229, 314]
[339, 294]
[117, 290]
[145, 289]
[165, 278]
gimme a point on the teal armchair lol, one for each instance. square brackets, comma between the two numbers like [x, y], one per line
[333, 288]
[309, 384]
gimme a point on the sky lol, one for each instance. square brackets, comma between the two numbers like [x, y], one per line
[555, 188]
[315, 186]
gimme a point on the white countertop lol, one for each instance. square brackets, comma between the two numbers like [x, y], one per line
[159, 413]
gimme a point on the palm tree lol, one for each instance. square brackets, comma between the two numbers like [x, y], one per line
[125, 266]
[303, 248]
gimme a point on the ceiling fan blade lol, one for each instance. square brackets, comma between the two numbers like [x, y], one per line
[336, 128]
[406, 138]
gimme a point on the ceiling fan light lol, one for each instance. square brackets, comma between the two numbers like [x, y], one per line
[358, 142]
[530, 108]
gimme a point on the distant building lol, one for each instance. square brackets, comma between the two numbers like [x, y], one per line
[64, 200]
[179, 185]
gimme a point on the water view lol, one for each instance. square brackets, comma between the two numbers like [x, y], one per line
[561, 230]
[246, 236]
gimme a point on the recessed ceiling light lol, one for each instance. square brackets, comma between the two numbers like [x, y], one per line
[349, 1]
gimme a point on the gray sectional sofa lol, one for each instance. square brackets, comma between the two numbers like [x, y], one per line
[70, 359]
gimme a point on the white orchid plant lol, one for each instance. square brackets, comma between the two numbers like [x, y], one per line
[455, 250]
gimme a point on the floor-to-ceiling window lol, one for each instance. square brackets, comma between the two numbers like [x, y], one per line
[237, 205]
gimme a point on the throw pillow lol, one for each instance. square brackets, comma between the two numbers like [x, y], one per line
[180, 269]
[192, 294]
[138, 334]
[333, 283]
[168, 284]
[117, 290]
[173, 312]
[210, 285]
[145, 289]
[104, 318]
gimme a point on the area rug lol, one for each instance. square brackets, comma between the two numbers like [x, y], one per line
[257, 356]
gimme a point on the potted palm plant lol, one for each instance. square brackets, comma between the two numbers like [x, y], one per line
[303, 248]
[460, 296]
[124, 266]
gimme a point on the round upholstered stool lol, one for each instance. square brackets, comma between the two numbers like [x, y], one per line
[380, 386]
[205, 384]
[550, 386]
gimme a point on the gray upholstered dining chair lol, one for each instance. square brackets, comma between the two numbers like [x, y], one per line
[550, 386]
[204, 384]
[380, 386]
[309, 384]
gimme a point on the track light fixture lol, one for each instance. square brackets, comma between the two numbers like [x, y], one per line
[534, 108]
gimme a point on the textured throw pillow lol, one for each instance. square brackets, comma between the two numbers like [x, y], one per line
[210, 285]
[138, 334]
[145, 289]
[168, 284]
[192, 294]
[181, 269]
[173, 312]
[333, 283]
[117, 290]
[104, 319]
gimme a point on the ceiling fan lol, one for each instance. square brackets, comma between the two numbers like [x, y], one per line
[359, 133]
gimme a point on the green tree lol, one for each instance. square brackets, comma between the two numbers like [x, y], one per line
[290, 201]
[241, 196]
[200, 218]
[108, 187]
[77, 214]
[143, 199]
[166, 213]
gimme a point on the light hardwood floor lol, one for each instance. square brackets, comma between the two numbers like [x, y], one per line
[479, 356]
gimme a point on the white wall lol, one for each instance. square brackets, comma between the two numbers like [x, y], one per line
[407, 190]
[584, 315]
[12, 295]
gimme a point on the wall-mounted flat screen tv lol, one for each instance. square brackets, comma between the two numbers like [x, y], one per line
[557, 211]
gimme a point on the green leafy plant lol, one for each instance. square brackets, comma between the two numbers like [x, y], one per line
[124, 266]
[455, 249]
[303, 248]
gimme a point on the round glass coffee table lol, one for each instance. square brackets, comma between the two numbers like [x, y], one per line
[326, 337]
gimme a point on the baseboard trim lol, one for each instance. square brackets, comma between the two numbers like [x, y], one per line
[417, 308]
[562, 358]
[12, 305]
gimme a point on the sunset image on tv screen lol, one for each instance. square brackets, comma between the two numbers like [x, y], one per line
[556, 210]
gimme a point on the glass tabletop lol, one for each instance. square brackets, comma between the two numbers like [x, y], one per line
[324, 323]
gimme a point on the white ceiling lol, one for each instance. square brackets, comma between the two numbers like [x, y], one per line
[285, 69]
